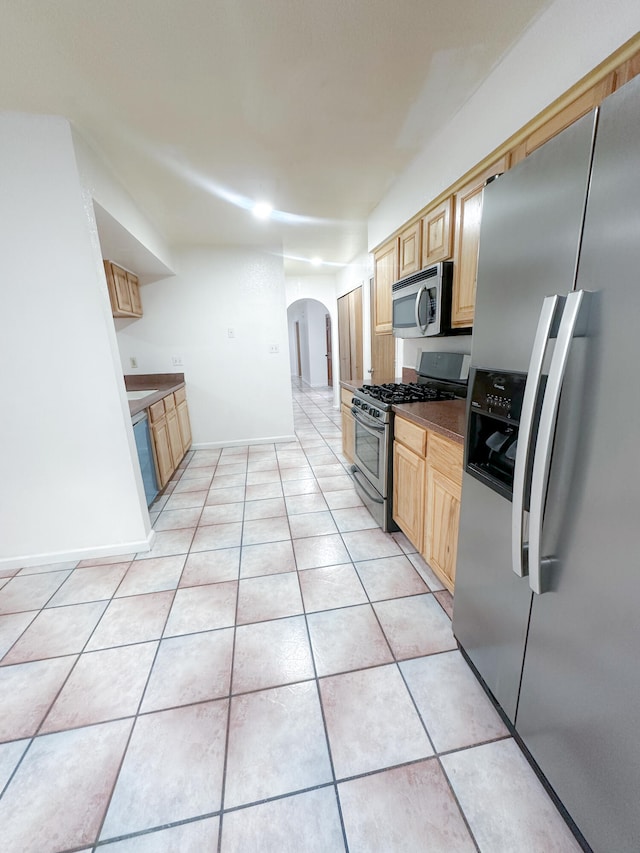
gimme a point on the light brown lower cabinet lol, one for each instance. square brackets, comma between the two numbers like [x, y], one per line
[348, 424]
[408, 492]
[183, 418]
[442, 519]
[427, 483]
[170, 434]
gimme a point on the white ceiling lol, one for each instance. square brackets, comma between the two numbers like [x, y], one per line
[203, 106]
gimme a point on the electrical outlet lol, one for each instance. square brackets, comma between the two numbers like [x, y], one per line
[274, 348]
[176, 360]
[231, 333]
[133, 361]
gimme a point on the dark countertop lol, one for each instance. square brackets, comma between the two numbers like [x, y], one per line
[352, 384]
[161, 383]
[447, 417]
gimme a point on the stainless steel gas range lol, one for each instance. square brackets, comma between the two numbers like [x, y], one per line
[441, 376]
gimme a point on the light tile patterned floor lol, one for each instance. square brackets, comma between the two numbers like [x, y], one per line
[276, 675]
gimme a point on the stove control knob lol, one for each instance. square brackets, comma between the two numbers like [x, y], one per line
[374, 413]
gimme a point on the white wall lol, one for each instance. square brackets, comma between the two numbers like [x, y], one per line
[560, 47]
[295, 314]
[109, 193]
[70, 486]
[238, 392]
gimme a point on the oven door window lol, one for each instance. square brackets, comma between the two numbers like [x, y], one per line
[404, 311]
[369, 450]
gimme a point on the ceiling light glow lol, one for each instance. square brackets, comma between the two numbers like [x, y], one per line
[262, 210]
[316, 262]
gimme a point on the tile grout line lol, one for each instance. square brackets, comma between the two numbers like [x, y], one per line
[320, 702]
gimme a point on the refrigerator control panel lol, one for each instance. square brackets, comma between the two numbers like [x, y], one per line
[498, 394]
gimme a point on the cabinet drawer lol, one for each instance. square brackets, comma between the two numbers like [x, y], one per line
[156, 412]
[411, 435]
[180, 396]
[345, 396]
[169, 403]
[446, 456]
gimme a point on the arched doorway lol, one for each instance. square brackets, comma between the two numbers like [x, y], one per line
[310, 342]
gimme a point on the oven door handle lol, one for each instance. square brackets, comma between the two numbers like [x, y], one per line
[366, 425]
[422, 328]
[356, 471]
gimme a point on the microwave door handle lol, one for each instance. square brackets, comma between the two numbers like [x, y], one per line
[422, 328]
[571, 325]
[547, 324]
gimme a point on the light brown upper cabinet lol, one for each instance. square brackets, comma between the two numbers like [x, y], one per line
[437, 234]
[386, 273]
[410, 249]
[124, 291]
[562, 119]
[350, 334]
[468, 212]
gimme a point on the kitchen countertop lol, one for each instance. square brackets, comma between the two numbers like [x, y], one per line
[161, 384]
[448, 417]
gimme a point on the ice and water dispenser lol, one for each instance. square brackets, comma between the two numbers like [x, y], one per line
[494, 419]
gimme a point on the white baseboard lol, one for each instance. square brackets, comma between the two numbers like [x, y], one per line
[75, 556]
[247, 442]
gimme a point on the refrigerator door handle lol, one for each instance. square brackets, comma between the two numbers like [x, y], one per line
[572, 325]
[547, 328]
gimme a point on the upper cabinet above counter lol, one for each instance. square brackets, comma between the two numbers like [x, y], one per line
[124, 291]
[448, 227]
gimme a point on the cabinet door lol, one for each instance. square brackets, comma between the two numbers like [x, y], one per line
[468, 205]
[175, 439]
[437, 234]
[386, 273]
[122, 290]
[134, 291]
[184, 423]
[408, 493]
[442, 522]
[344, 341]
[162, 451]
[355, 332]
[348, 432]
[468, 215]
[410, 249]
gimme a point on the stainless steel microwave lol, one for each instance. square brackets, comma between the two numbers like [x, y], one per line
[422, 302]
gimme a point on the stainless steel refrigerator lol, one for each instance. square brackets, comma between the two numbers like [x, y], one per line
[547, 598]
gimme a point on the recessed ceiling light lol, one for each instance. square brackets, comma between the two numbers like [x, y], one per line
[315, 262]
[262, 209]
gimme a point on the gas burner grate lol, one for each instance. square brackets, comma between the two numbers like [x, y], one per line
[411, 392]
